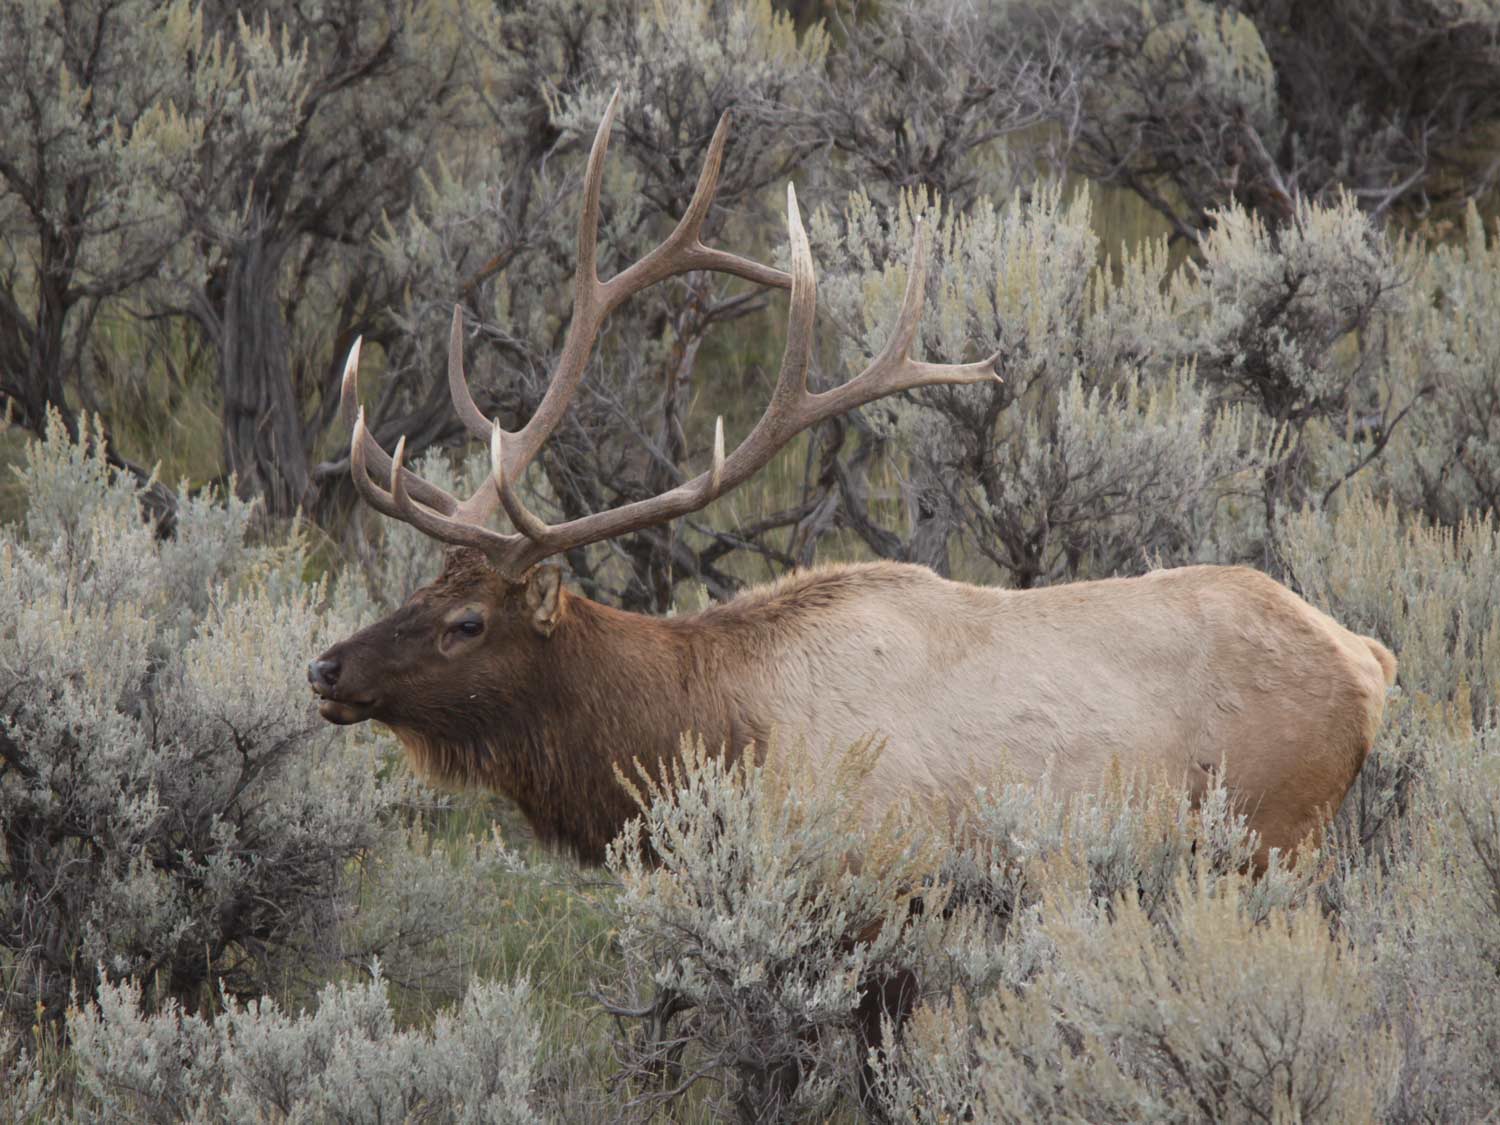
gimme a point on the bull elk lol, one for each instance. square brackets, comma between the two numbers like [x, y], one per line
[496, 675]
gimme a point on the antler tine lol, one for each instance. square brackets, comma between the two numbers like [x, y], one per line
[525, 521]
[893, 369]
[716, 473]
[909, 319]
[458, 383]
[459, 531]
[708, 178]
[683, 249]
[589, 310]
[366, 450]
[796, 356]
[481, 506]
[689, 228]
[375, 496]
[448, 520]
[586, 268]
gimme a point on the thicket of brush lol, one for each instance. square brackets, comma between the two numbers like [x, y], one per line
[215, 907]
[182, 837]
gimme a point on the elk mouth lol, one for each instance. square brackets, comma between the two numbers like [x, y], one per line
[343, 712]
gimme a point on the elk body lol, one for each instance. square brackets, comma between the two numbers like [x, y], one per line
[496, 676]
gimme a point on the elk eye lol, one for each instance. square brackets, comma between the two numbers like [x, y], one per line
[470, 626]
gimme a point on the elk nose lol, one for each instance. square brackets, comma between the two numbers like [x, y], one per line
[323, 673]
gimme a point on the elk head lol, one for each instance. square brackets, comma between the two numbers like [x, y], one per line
[477, 632]
[471, 633]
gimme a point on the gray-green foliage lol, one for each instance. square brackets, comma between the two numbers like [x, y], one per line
[359, 95]
[1116, 956]
[748, 936]
[1104, 449]
[1301, 321]
[1106, 950]
[165, 787]
[1308, 390]
[1419, 882]
[1132, 873]
[1433, 925]
[1267, 306]
[1445, 359]
[1154, 76]
[173, 810]
[346, 1061]
[364, 170]
[679, 65]
[1191, 105]
[1208, 1018]
[94, 144]
[218, 164]
[121, 117]
[1432, 593]
[1153, 413]
[1142, 972]
[921, 94]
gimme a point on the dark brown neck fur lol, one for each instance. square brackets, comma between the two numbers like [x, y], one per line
[611, 690]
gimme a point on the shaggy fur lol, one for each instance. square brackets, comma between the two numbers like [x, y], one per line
[1177, 673]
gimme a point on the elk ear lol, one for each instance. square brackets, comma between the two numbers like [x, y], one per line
[544, 598]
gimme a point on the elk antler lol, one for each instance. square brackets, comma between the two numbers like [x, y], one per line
[792, 408]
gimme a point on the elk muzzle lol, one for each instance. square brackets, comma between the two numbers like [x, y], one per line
[323, 676]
